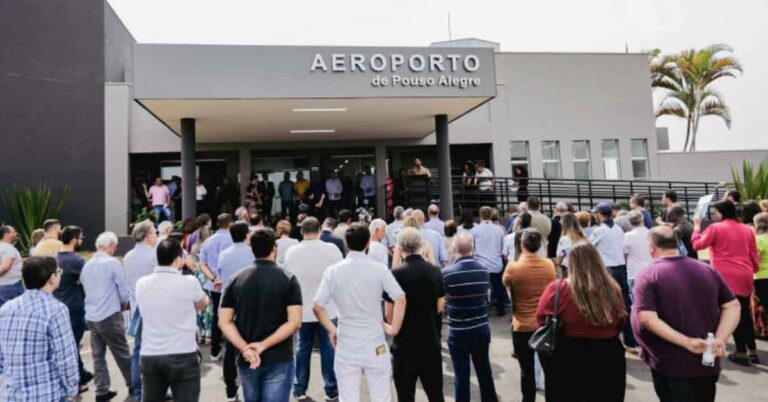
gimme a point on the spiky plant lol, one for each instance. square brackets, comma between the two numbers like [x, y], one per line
[28, 207]
[752, 183]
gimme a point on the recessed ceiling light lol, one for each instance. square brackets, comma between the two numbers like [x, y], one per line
[320, 109]
[314, 131]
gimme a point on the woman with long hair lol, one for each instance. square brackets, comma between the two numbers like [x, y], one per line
[512, 249]
[284, 240]
[467, 220]
[571, 234]
[588, 362]
[585, 221]
[748, 212]
[733, 253]
[426, 248]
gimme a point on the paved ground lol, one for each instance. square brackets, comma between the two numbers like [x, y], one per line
[736, 383]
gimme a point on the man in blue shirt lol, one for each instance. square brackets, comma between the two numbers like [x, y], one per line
[327, 235]
[489, 243]
[469, 336]
[434, 223]
[209, 266]
[38, 357]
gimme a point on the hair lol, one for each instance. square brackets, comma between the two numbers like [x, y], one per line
[663, 237]
[726, 208]
[223, 221]
[49, 223]
[637, 200]
[310, 225]
[411, 222]
[345, 216]
[463, 243]
[36, 236]
[4, 230]
[675, 210]
[585, 219]
[262, 242]
[533, 203]
[239, 231]
[283, 227]
[377, 224]
[189, 225]
[761, 223]
[485, 213]
[635, 218]
[168, 251]
[764, 205]
[671, 195]
[70, 233]
[142, 230]
[531, 240]
[513, 209]
[571, 228]
[734, 194]
[450, 228]
[357, 236]
[164, 225]
[202, 220]
[595, 292]
[36, 271]
[398, 212]
[329, 223]
[748, 211]
[419, 215]
[525, 220]
[433, 210]
[467, 218]
[409, 241]
[105, 240]
[561, 207]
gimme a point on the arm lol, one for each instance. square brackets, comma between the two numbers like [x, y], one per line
[388, 311]
[729, 318]
[6, 265]
[754, 257]
[441, 305]
[506, 278]
[230, 331]
[283, 332]
[700, 240]
[650, 320]
[398, 314]
[122, 287]
[325, 321]
[61, 342]
[146, 192]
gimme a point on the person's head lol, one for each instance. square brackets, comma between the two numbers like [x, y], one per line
[485, 213]
[675, 213]
[733, 196]
[158, 181]
[616, 210]
[571, 227]
[357, 237]
[764, 205]
[494, 215]
[283, 228]
[524, 221]
[467, 218]
[662, 242]
[165, 228]
[596, 293]
[367, 169]
[479, 166]
[52, 228]
[603, 211]
[299, 175]
[636, 201]
[463, 244]
[530, 241]
[419, 215]
[417, 162]
[398, 213]
[512, 210]
[329, 224]
[170, 254]
[761, 223]
[411, 222]
[223, 221]
[433, 211]
[106, 243]
[523, 207]
[287, 176]
[409, 241]
[635, 218]
[585, 219]
[203, 220]
[197, 180]
[36, 236]
[239, 232]
[748, 212]
[144, 233]
[310, 228]
[450, 228]
[407, 212]
[333, 175]
[725, 209]
[40, 273]
[72, 237]
[263, 244]
[669, 198]
[560, 208]
[265, 176]
[345, 216]
[533, 203]
[378, 229]
[8, 234]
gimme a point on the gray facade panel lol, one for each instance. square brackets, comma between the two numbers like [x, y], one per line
[118, 48]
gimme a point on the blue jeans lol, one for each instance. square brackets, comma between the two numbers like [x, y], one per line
[266, 383]
[9, 292]
[498, 292]
[471, 344]
[304, 355]
[136, 366]
[162, 212]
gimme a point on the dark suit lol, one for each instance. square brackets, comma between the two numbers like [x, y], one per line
[267, 190]
[329, 237]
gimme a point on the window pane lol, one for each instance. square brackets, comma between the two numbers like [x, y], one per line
[611, 169]
[518, 150]
[581, 170]
[639, 149]
[551, 170]
[550, 150]
[640, 168]
[581, 150]
[610, 149]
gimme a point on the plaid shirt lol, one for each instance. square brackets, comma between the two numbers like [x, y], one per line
[38, 355]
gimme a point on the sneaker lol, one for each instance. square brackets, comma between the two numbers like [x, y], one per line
[740, 359]
[215, 357]
[86, 378]
[753, 357]
[106, 397]
[232, 398]
[631, 350]
[329, 398]
[82, 388]
[302, 397]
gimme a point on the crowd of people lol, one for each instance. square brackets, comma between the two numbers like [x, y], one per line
[374, 298]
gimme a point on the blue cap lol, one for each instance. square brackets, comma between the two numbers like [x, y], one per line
[604, 208]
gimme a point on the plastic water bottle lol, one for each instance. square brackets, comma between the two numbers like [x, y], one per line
[708, 358]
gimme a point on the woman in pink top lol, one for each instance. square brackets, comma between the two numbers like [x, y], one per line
[733, 253]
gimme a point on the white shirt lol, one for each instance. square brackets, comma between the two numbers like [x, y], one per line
[484, 179]
[564, 246]
[307, 261]
[609, 241]
[14, 275]
[378, 252]
[283, 244]
[200, 192]
[167, 300]
[341, 230]
[636, 250]
[356, 286]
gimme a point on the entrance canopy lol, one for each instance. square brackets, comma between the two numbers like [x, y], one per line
[292, 93]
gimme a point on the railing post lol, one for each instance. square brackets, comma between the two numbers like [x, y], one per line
[549, 191]
[591, 197]
[578, 195]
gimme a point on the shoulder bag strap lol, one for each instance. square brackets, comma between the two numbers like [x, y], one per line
[557, 299]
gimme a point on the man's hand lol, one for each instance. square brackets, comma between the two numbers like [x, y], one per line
[389, 330]
[217, 284]
[696, 346]
[718, 348]
[332, 335]
[256, 347]
[253, 358]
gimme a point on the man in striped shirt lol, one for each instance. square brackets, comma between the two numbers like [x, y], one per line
[469, 336]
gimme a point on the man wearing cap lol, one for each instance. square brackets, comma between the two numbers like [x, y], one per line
[608, 238]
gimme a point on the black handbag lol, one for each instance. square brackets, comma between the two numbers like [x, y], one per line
[545, 338]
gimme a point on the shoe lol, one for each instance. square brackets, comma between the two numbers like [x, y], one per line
[631, 350]
[753, 357]
[740, 359]
[302, 397]
[329, 398]
[106, 397]
[86, 378]
[232, 398]
[215, 357]
[82, 388]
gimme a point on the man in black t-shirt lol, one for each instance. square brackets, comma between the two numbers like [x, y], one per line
[260, 312]
[416, 352]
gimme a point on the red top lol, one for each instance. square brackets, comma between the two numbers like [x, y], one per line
[575, 325]
[733, 253]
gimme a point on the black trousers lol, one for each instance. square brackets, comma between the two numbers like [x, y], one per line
[761, 290]
[179, 372]
[697, 389]
[215, 330]
[230, 370]
[744, 335]
[585, 369]
[424, 365]
[526, 359]
[619, 274]
[498, 292]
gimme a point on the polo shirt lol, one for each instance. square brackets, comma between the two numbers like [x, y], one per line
[609, 241]
[14, 274]
[378, 252]
[166, 299]
[308, 261]
[103, 280]
[47, 248]
[489, 243]
[138, 263]
[233, 259]
[212, 247]
[161, 195]
[636, 250]
[527, 278]
[70, 290]
[437, 225]
[390, 234]
[466, 287]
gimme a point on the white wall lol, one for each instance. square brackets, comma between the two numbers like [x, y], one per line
[117, 123]
[148, 134]
[710, 166]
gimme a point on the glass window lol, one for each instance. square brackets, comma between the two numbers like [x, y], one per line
[519, 156]
[611, 161]
[581, 168]
[640, 158]
[550, 159]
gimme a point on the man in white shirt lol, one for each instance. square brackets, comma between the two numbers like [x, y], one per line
[435, 223]
[484, 177]
[168, 302]
[345, 219]
[377, 251]
[308, 261]
[356, 286]
[636, 247]
[10, 265]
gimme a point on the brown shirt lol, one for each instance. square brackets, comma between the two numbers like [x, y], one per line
[527, 278]
[47, 248]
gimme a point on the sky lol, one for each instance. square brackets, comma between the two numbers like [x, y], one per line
[524, 26]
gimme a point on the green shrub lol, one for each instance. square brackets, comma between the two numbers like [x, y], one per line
[28, 207]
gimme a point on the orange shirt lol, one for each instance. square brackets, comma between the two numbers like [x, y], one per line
[527, 278]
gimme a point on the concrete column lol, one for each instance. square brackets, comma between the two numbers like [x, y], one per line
[245, 171]
[444, 165]
[381, 181]
[188, 170]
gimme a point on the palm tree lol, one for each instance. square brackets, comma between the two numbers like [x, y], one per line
[687, 78]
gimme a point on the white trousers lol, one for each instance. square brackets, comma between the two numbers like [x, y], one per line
[377, 371]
